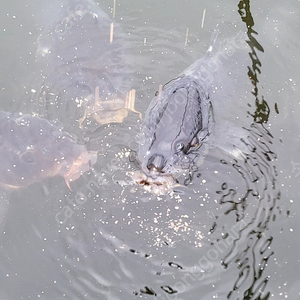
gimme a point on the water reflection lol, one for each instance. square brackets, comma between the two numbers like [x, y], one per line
[262, 112]
[251, 248]
[252, 257]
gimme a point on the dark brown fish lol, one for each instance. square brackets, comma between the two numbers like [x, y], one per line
[32, 149]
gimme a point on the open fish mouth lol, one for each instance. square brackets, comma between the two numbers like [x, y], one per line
[161, 177]
[160, 166]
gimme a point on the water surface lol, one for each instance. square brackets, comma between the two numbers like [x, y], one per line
[230, 232]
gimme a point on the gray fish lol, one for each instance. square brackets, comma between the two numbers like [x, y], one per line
[32, 149]
[83, 62]
[178, 122]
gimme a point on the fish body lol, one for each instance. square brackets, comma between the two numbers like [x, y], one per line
[180, 119]
[84, 68]
[32, 149]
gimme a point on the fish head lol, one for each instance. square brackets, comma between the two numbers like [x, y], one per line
[35, 149]
[176, 123]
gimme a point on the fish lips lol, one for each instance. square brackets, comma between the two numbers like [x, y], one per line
[159, 165]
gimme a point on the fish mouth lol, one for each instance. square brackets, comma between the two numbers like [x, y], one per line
[159, 175]
[157, 165]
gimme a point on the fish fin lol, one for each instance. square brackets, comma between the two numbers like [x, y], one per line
[213, 40]
[79, 166]
[68, 184]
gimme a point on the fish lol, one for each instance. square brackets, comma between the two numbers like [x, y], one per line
[33, 149]
[181, 118]
[84, 66]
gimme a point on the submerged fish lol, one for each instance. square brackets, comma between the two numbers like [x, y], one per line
[84, 65]
[178, 122]
[33, 149]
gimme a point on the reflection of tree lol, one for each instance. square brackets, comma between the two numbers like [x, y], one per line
[251, 250]
[254, 209]
[261, 114]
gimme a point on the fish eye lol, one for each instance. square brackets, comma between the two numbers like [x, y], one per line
[180, 147]
[27, 157]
